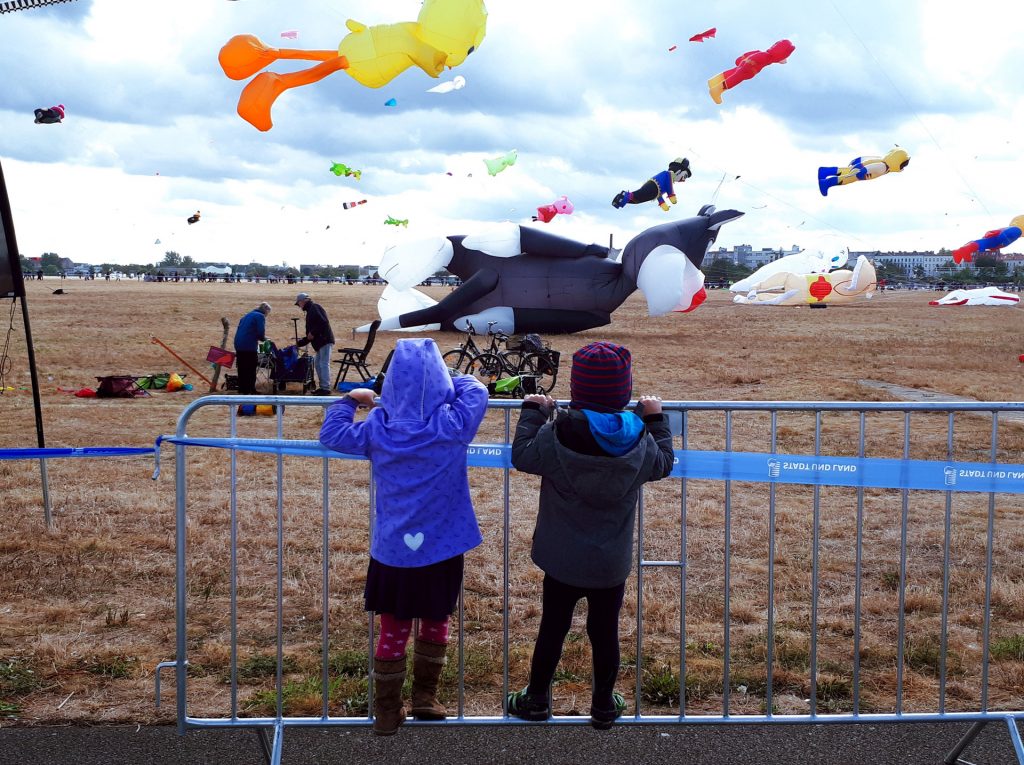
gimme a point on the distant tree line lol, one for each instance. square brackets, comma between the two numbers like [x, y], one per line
[986, 269]
[52, 264]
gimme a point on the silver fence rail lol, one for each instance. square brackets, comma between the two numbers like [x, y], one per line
[891, 469]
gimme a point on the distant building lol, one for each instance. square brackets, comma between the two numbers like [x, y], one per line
[932, 265]
[745, 255]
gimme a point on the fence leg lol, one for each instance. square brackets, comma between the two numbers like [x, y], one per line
[1018, 745]
[261, 737]
[47, 514]
[954, 756]
[275, 755]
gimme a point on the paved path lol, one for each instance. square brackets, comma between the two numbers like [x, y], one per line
[926, 394]
[908, 744]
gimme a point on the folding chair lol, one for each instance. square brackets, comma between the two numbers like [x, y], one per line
[355, 358]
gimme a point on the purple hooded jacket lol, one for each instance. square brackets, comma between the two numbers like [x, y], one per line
[416, 440]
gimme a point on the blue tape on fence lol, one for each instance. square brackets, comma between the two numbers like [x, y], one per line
[758, 467]
[79, 451]
[851, 471]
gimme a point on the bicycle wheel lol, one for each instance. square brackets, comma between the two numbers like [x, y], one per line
[514, 361]
[487, 368]
[310, 384]
[458, 359]
[545, 368]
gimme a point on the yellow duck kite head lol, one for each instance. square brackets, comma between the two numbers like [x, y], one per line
[456, 27]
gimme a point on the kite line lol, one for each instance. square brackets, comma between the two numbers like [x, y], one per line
[910, 106]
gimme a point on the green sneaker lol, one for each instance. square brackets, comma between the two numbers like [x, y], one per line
[526, 706]
[602, 719]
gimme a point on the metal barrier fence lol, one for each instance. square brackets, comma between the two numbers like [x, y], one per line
[921, 487]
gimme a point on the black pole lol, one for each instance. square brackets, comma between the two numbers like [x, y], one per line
[14, 258]
[37, 404]
[19, 286]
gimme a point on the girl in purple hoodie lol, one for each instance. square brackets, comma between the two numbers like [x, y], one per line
[416, 440]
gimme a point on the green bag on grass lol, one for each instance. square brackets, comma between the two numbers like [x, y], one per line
[154, 382]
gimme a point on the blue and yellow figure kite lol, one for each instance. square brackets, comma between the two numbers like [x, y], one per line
[444, 33]
[862, 169]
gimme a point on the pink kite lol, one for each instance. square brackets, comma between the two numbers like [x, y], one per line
[290, 34]
[561, 205]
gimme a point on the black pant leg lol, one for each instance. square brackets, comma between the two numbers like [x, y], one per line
[603, 607]
[246, 361]
[559, 601]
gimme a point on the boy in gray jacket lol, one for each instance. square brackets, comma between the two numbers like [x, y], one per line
[593, 459]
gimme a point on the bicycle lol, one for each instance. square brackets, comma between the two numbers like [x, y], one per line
[542, 363]
[497, 360]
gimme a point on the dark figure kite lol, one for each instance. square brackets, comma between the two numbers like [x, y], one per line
[50, 116]
[659, 187]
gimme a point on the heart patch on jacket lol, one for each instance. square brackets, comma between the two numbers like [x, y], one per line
[413, 542]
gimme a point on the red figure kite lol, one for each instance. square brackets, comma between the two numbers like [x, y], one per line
[747, 66]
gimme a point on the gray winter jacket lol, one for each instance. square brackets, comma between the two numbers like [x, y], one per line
[584, 534]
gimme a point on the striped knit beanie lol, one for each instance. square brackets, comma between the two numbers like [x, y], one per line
[602, 375]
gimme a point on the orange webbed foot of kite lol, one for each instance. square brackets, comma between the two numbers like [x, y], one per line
[244, 55]
[259, 95]
[716, 85]
[257, 98]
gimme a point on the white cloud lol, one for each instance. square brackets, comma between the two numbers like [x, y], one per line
[594, 102]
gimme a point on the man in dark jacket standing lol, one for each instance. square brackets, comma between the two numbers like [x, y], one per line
[251, 330]
[320, 336]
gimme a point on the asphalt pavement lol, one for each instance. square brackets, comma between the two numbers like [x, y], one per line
[881, 744]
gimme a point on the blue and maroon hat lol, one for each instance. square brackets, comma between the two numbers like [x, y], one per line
[602, 375]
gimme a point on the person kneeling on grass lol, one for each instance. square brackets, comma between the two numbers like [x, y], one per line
[593, 459]
[416, 441]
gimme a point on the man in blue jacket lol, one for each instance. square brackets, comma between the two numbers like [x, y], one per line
[251, 330]
[320, 336]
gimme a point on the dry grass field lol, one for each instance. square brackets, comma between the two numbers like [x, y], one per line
[87, 608]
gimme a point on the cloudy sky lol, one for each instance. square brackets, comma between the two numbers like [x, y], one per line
[589, 93]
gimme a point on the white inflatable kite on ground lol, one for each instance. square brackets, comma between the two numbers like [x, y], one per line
[803, 289]
[980, 296]
[798, 263]
[395, 302]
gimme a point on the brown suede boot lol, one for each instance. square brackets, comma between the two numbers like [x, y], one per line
[388, 714]
[427, 663]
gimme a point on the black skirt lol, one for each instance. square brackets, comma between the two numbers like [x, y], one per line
[424, 592]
